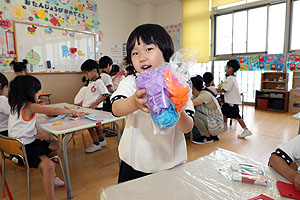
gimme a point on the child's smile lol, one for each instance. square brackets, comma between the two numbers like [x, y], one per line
[146, 56]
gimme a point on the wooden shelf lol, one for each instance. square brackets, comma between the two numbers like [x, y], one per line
[270, 97]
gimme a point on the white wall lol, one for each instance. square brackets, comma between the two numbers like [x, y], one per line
[117, 19]
[146, 13]
[170, 13]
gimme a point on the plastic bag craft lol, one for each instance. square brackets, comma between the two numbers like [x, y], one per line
[167, 88]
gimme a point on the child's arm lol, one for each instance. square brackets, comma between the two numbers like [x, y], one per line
[185, 123]
[285, 170]
[110, 89]
[95, 104]
[197, 101]
[123, 107]
[37, 108]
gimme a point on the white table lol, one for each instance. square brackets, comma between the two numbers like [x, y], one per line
[70, 126]
[205, 178]
[297, 116]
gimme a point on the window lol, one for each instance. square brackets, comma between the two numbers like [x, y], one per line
[224, 34]
[257, 23]
[276, 28]
[200, 69]
[240, 32]
[295, 44]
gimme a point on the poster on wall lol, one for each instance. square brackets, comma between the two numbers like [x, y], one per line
[293, 62]
[116, 54]
[175, 32]
[269, 62]
[80, 15]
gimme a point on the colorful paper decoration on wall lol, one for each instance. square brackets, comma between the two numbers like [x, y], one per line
[175, 33]
[33, 57]
[293, 62]
[270, 62]
[4, 65]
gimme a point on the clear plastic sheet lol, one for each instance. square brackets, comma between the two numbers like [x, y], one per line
[205, 178]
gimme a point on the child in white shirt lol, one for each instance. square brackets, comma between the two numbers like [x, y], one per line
[141, 151]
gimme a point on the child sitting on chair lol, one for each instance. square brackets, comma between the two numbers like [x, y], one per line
[22, 97]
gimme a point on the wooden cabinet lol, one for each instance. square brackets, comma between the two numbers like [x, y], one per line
[274, 81]
[272, 100]
[296, 79]
[294, 105]
[273, 94]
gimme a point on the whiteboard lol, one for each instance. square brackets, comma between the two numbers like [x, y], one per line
[50, 49]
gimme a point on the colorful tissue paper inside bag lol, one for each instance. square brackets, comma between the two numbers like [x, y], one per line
[165, 94]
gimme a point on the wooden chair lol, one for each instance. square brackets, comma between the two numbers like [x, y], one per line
[15, 147]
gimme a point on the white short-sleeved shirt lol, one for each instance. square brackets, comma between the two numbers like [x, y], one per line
[80, 95]
[290, 151]
[140, 147]
[107, 80]
[4, 113]
[21, 128]
[95, 90]
[213, 89]
[232, 93]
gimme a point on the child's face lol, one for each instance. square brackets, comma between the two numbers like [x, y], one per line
[36, 96]
[4, 91]
[229, 70]
[91, 75]
[145, 57]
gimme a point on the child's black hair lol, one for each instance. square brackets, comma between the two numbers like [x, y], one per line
[151, 34]
[89, 65]
[22, 90]
[104, 62]
[114, 70]
[234, 64]
[19, 66]
[3, 81]
[85, 81]
[208, 77]
[130, 70]
[197, 82]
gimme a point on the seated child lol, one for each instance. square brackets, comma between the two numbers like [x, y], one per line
[22, 97]
[95, 94]
[208, 78]
[20, 68]
[105, 64]
[284, 157]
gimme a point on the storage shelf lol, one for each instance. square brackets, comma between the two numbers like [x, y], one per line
[274, 90]
[283, 82]
[271, 97]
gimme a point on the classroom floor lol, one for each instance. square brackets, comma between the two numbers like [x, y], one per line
[91, 173]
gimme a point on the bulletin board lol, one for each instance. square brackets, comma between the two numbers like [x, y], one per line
[52, 49]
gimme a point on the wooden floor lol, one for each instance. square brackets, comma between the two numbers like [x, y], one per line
[91, 173]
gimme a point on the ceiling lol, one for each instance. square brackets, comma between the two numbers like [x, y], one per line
[153, 2]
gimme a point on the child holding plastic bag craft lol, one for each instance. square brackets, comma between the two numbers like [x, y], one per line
[141, 151]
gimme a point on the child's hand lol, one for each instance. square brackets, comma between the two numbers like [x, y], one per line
[93, 106]
[297, 182]
[77, 114]
[219, 89]
[140, 100]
